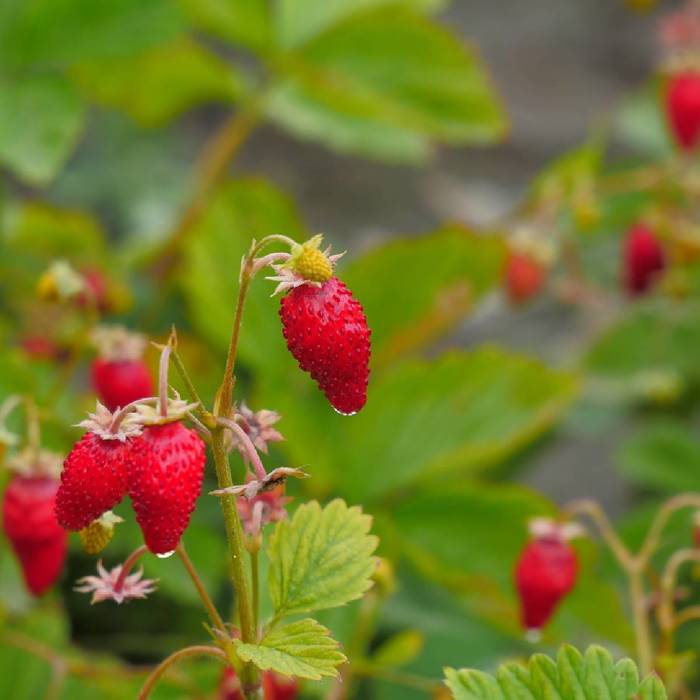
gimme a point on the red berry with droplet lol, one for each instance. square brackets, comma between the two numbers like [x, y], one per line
[643, 259]
[683, 108]
[523, 276]
[119, 382]
[93, 480]
[165, 479]
[545, 573]
[326, 331]
[30, 524]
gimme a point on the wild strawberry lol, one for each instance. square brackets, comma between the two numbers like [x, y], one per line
[643, 259]
[523, 276]
[545, 572]
[278, 687]
[94, 477]
[324, 325]
[29, 522]
[683, 108]
[95, 290]
[230, 685]
[119, 374]
[165, 479]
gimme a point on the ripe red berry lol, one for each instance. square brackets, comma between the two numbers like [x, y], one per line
[29, 523]
[683, 108]
[119, 382]
[327, 333]
[545, 572]
[643, 259]
[96, 292]
[164, 481]
[523, 276]
[230, 685]
[278, 687]
[94, 479]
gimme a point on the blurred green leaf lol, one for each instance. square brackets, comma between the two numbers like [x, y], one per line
[240, 21]
[400, 649]
[449, 270]
[321, 558]
[426, 420]
[159, 84]
[297, 21]
[40, 119]
[240, 211]
[650, 339]
[392, 70]
[303, 649]
[52, 34]
[663, 455]
[641, 123]
[589, 677]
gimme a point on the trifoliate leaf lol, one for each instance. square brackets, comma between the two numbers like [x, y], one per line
[571, 677]
[321, 558]
[303, 649]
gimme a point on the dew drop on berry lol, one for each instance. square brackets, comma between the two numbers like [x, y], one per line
[166, 555]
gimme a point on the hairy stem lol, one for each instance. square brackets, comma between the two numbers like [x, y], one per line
[247, 443]
[641, 622]
[186, 653]
[668, 621]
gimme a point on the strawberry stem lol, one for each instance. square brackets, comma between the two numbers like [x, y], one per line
[128, 565]
[176, 657]
[164, 366]
[247, 443]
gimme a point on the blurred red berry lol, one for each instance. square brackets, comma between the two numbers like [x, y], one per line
[30, 524]
[278, 687]
[230, 685]
[545, 572]
[523, 276]
[643, 259]
[96, 292]
[683, 108]
[119, 382]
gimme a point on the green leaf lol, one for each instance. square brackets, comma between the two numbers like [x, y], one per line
[240, 211]
[321, 558]
[652, 342]
[590, 677]
[161, 83]
[400, 649]
[392, 69]
[303, 649]
[40, 119]
[58, 33]
[449, 270]
[240, 21]
[663, 455]
[297, 21]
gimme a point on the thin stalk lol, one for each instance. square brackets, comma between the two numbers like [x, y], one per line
[204, 415]
[201, 590]
[641, 622]
[668, 621]
[186, 653]
[247, 443]
[128, 565]
[651, 543]
[255, 572]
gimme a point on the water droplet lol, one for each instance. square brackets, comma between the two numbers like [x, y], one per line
[166, 555]
[533, 635]
[344, 413]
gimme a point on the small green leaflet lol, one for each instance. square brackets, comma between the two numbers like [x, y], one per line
[321, 558]
[571, 677]
[303, 649]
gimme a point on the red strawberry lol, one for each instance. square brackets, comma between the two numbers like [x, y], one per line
[326, 332]
[30, 524]
[546, 571]
[119, 382]
[523, 276]
[119, 374]
[683, 108]
[165, 478]
[93, 479]
[96, 292]
[278, 687]
[230, 685]
[643, 259]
